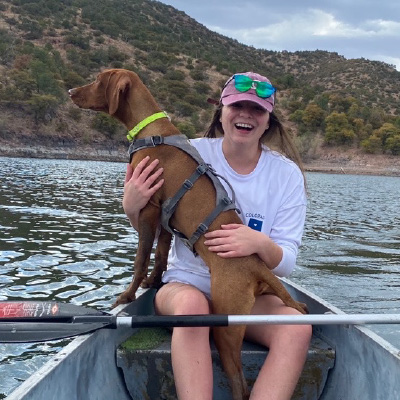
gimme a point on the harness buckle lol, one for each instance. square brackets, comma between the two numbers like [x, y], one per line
[187, 184]
[227, 200]
[210, 167]
[156, 140]
[202, 168]
[202, 228]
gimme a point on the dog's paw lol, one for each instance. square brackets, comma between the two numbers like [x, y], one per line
[151, 282]
[146, 283]
[124, 298]
[302, 307]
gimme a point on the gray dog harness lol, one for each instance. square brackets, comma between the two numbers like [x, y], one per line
[223, 202]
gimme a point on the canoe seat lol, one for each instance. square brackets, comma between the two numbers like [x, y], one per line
[145, 360]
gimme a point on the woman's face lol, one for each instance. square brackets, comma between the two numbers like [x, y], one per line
[244, 122]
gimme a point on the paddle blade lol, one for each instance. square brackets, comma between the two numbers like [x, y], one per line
[32, 321]
[27, 311]
[40, 332]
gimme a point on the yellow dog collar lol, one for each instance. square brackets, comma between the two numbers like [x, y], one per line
[133, 132]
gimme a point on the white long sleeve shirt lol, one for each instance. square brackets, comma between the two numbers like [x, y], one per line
[272, 200]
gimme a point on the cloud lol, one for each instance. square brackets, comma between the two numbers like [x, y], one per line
[312, 24]
[317, 29]
[383, 28]
[389, 60]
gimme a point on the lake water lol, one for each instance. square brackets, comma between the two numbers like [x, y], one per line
[64, 237]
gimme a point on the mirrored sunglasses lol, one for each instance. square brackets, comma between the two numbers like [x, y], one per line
[263, 89]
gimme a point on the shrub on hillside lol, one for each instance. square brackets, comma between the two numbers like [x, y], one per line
[186, 128]
[372, 145]
[393, 145]
[338, 130]
[44, 107]
[105, 124]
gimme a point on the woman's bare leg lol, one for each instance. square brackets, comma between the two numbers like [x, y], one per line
[190, 347]
[288, 347]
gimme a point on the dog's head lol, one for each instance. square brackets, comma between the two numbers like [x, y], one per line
[106, 92]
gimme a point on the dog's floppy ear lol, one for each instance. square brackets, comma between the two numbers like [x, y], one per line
[116, 88]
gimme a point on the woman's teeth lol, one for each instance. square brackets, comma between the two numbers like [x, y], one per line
[247, 127]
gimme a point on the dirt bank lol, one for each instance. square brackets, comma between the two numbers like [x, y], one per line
[352, 162]
[349, 162]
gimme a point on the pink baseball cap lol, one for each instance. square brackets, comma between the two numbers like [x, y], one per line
[231, 95]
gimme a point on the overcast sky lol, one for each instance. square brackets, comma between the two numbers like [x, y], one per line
[352, 28]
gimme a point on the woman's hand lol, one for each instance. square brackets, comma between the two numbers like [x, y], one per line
[233, 240]
[140, 184]
[237, 240]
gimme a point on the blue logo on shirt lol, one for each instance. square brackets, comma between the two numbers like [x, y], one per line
[255, 224]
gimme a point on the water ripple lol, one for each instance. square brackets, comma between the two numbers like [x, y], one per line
[64, 237]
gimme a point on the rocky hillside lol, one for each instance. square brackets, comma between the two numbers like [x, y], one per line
[332, 105]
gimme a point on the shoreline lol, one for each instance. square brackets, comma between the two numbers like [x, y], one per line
[353, 170]
[363, 164]
[344, 164]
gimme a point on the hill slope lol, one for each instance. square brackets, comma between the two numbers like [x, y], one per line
[48, 46]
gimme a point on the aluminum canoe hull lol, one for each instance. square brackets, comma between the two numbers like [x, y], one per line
[366, 366]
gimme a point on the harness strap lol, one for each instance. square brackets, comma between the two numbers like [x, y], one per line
[224, 203]
[139, 144]
[169, 205]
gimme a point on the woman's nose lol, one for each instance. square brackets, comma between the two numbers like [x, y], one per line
[245, 111]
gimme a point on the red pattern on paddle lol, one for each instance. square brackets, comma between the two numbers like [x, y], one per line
[28, 309]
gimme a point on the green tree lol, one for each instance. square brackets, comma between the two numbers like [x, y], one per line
[24, 82]
[393, 144]
[187, 129]
[297, 116]
[376, 118]
[322, 101]
[44, 107]
[340, 103]
[372, 145]
[198, 74]
[45, 80]
[175, 75]
[338, 130]
[386, 131]
[72, 79]
[184, 109]
[361, 130]
[104, 123]
[313, 116]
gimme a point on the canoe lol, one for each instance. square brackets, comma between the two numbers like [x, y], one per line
[344, 362]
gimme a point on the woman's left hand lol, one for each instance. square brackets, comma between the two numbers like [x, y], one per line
[233, 240]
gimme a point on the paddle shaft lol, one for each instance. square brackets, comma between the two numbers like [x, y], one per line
[227, 320]
[51, 312]
[41, 321]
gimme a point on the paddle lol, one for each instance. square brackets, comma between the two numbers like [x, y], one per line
[41, 321]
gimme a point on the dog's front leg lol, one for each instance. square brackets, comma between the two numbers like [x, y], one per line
[148, 222]
[160, 261]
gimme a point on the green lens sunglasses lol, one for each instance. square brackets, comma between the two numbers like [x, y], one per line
[263, 89]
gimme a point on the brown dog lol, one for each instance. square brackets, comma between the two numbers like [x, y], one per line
[235, 282]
